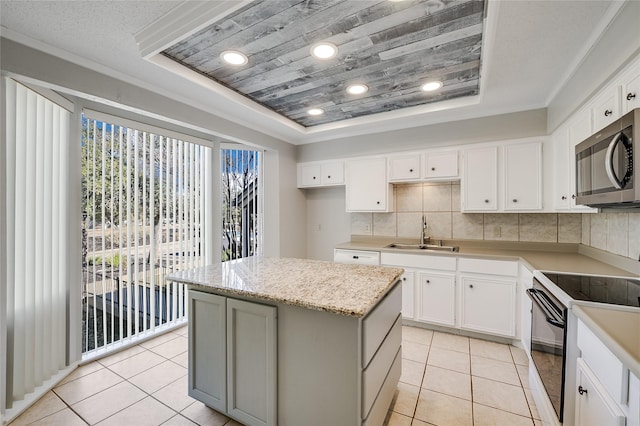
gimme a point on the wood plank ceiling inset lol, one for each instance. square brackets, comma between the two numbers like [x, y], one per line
[391, 46]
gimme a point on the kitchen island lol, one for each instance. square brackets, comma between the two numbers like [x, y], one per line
[294, 341]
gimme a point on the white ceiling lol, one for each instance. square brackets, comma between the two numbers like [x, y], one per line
[531, 48]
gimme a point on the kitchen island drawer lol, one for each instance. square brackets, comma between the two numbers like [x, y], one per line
[374, 375]
[377, 324]
[383, 401]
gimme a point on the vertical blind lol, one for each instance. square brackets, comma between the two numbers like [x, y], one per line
[35, 207]
[142, 205]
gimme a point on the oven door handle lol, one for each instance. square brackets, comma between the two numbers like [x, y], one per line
[550, 310]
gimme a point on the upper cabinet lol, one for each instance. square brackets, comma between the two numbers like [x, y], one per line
[441, 164]
[520, 178]
[429, 165]
[318, 174]
[404, 168]
[631, 89]
[564, 140]
[479, 185]
[606, 107]
[523, 176]
[367, 186]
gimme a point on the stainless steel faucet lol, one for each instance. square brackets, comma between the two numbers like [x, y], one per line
[423, 236]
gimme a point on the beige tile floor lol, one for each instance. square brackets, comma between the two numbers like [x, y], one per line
[446, 380]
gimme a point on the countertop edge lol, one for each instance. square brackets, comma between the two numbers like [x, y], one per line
[628, 360]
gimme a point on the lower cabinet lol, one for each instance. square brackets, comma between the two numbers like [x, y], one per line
[436, 298]
[594, 406]
[232, 357]
[408, 294]
[488, 304]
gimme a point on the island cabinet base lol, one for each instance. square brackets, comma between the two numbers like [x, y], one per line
[331, 369]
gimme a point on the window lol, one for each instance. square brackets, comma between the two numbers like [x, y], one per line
[241, 203]
[142, 219]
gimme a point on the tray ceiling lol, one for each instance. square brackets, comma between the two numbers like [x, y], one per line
[393, 47]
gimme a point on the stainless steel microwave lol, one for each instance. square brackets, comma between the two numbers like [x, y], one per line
[605, 174]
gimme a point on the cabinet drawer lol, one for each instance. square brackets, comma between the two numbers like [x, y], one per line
[425, 261]
[356, 256]
[383, 401]
[374, 375]
[377, 324]
[493, 267]
[604, 364]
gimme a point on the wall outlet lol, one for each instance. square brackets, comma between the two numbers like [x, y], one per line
[367, 228]
[496, 231]
[319, 227]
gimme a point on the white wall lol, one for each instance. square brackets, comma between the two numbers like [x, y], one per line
[283, 202]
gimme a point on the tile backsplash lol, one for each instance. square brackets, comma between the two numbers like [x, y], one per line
[440, 203]
[617, 233]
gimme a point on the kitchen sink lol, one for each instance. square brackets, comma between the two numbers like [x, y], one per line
[435, 247]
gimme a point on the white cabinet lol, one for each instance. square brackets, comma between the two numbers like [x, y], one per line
[436, 297]
[367, 187]
[408, 294]
[565, 139]
[232, 357]
[488, 291]
[606, 107]
[488, 304]
[441, 165]
[479, 186]
[360, 257]
[329, 173]
[523, 176]
[404, 168]
[594, 407]
[631, 89]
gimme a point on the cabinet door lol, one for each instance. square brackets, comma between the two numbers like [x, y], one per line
[480, 179]
[367, 189]
[594, 407]
[309, 175]
[523, 176]
[252, 362]
[408, 294]
[561, 169]
[207, 349]
[488, 304]
[631, 90]
[404, 168]
[436, 298]
[606, 108]
[443, 164]
[332, 173]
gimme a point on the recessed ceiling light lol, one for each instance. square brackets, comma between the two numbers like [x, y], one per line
[315, 111]
[324, 50]
[431, 86]
[357, 89]
[233, 57]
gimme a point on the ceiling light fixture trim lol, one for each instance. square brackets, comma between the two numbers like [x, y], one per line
[324, 50]
[431, 86]
[315, 111]
[234, 57]
[357, 89]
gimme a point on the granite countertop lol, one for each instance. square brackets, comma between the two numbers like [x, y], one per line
[351, 290]
[618, 327]
[539, 256]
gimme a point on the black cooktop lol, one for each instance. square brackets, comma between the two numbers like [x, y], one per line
[611, 290]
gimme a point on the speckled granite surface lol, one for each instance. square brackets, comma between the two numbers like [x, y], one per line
[325, 286]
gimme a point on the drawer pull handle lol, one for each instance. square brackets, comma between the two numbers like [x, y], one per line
[630, 96]
[515, 200]
[356, 257]
[608, 113]
[486, 201]
[433, 169]
[581, 390]
[410, 170]
[564, 197]
[470, 285]
[428, 281]
[329, 177]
